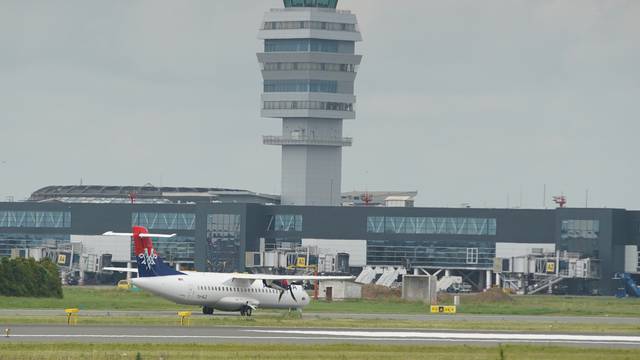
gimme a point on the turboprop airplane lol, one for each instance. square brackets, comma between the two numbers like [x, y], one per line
[221, 291]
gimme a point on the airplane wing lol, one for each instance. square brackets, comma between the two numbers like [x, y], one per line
[289, 277]
[131, 270]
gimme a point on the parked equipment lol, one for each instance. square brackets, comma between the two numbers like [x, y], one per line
[629, 285]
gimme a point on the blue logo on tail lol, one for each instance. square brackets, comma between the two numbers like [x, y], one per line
[150, 264]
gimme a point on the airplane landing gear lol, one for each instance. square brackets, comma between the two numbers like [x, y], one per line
[245, 310]
[207, 310]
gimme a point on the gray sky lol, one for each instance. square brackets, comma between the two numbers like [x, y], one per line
[464, 101]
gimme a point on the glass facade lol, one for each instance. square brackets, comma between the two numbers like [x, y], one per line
[431, 225]
[178, 248]
[580, 236]
[35, 219]
[332, 4]
[315, 25]
[284, 223]
[10, 241]
[580, 229]
[164, 221]
[223, 243]
[307, 105]
[309, 45]
[308, 66]
[301, 86]
[432, 253]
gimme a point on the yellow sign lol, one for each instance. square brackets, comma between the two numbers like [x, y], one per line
[302, 262]
[72, 315]
[551, 267]
[443, 309]
[185, 318]
[62, 259]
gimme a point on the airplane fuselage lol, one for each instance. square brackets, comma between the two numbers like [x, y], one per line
[220, 291]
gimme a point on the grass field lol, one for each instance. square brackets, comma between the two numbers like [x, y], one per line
[519, 305]
[114, 299]
[338, 351]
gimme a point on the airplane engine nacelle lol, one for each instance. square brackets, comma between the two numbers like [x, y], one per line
[232, 303]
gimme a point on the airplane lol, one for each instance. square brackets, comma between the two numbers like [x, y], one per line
[220, 291]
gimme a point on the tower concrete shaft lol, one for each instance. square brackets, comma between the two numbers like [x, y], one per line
[309, 68]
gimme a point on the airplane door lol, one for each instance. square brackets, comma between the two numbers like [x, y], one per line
[186, 288]
[189, 289]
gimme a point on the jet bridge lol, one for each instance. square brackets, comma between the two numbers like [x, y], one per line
[533, 273]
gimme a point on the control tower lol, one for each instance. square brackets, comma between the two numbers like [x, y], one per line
[309, 67]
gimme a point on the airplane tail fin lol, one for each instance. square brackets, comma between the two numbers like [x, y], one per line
[149, 262]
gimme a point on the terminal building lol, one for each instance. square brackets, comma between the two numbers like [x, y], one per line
[482, 245]
[309, 66]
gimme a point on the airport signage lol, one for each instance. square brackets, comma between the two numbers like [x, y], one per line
[551, 267]
[439, 309]
[64, 259]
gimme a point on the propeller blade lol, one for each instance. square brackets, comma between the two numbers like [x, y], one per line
[293, 296]
[280, 297]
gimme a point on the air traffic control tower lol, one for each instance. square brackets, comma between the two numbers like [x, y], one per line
[309, 67]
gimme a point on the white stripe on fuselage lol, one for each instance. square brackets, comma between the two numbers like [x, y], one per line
[220, 291]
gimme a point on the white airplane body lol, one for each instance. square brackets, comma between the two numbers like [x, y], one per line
[222, 291]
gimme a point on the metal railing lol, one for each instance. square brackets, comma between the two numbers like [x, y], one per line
[337, 11]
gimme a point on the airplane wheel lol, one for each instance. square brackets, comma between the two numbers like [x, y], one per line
[207, 310]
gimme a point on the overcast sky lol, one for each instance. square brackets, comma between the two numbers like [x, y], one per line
[478, 102]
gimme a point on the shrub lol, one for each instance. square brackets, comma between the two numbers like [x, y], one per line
[29, 278]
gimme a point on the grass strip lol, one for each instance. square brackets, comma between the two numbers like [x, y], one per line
[115, 299]
[74, 351]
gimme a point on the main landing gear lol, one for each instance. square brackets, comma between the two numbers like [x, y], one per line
[245, 310]
[207, 310]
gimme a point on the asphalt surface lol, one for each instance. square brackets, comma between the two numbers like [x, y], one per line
[312, 315]
[154, 334]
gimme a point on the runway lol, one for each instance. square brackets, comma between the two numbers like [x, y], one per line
[329, 315]
[155, 334]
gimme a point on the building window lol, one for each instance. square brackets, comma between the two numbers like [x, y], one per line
[472, 255]
[431, 253]
[307, 66]
[309, 45]
[394, 225]
[35, 219]
[300, 86]
[375, 224]
[164, 221]
[284, 223]
[223, 242]
[580, 229]
[16, 244]
[431, 225]
[175, 249]
[315, 25]
[311, 3]
[307, 105]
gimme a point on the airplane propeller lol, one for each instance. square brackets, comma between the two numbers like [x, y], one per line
[282, 286]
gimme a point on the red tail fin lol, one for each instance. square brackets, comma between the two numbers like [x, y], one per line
[140, 243]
